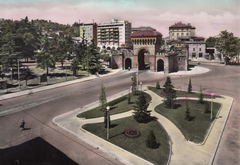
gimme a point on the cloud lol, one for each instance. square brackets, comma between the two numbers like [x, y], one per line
[159, 15]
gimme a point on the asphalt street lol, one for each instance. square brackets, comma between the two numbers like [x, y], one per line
[221, 79]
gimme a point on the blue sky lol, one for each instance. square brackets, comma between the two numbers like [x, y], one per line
[208, 16]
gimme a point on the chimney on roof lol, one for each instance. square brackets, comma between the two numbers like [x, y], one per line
[189, 24]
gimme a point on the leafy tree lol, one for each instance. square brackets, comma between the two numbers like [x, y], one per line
[82, 50]
[141, 114]
[74, 66]
[210, 42]
[157, 85]
[170, 93]
[7, 56]
[93, 61]
[227, 44]
[190, 86]
[151, 141]
[103, 99]
[45, 57]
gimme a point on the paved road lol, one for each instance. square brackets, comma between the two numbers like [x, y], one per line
[221, 79]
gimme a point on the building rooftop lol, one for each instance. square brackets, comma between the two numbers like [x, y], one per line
[146, 33]
[143, 28]
[199, 38]
[181, 25]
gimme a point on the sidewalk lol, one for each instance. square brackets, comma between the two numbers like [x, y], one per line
[183, 152]
[195, 70]
[39, 89]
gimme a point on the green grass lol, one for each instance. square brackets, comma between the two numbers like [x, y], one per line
[36, 70]
[135, 145]
[178, 94]
[196, 129]
[120, 107]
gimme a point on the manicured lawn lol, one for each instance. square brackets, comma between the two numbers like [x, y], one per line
[196, 129]
[178, 94]
[116, 107]
[135, 145]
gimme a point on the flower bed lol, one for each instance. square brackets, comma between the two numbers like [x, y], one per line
[212, 94]
[132, 132]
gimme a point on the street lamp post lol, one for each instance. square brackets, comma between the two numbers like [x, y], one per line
[181, 82]
[211, 106]
[108, 122]
[11, 76]
[137, 75]
[141, 86]
[19, 76]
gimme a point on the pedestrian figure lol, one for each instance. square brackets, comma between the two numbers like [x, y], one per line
[22, 125]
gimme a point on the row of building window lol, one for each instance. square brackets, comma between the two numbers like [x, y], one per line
[179, 29]
[200, 49]
[199, 55]
[143, 42]
[182, 34]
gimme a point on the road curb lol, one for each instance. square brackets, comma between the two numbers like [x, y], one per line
[221, 133]
[57, 85]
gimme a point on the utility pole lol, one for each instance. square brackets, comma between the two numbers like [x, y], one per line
[19, 76]
[211, 106]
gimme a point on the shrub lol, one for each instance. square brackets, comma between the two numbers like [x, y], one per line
[190, 86]
[151, 141]
[116, 101]
[157, 85]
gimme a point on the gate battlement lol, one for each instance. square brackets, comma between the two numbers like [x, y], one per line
[147, 54]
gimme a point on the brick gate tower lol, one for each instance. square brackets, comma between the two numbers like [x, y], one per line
[145, 44]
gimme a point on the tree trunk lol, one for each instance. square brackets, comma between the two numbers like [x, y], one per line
[47, 70]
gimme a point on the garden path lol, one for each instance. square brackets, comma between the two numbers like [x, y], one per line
[183, 151]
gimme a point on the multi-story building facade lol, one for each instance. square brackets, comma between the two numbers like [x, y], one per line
[181, 34]
[89, 31]
[116, 33]
[181, 31]
[197, 47]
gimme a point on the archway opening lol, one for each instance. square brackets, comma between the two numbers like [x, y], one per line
[141, 60]
[160, 65]
[128, 63]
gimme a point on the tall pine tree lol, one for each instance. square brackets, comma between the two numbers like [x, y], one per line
[141, 114]
[170, 93]
[103, 99]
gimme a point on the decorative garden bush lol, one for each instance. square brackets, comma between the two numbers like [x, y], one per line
[132, 132]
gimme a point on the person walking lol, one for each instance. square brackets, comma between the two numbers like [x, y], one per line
[22, 126]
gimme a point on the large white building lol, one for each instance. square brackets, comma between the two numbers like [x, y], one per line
[90, 32]
[197, 48]
[181, 31]
[116, 33]
[181, 34]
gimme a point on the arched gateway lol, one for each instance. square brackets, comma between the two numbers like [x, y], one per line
[160, 65]
[145, 44]
[146, 54]
[128, 63]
